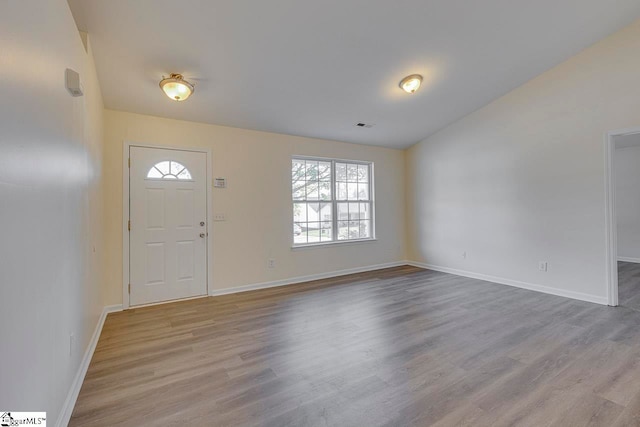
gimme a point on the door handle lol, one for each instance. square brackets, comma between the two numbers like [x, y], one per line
[202, 235]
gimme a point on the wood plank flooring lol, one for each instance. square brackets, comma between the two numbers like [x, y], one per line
[395, 347]
[629, 285]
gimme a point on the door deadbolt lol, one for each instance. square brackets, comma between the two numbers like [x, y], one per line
[201, 223]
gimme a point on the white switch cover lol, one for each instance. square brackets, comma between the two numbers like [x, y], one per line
[219, 217]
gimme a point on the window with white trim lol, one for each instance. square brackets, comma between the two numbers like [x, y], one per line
[332, 200]
[169, 169]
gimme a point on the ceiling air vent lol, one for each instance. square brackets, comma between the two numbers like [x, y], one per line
[364, 125]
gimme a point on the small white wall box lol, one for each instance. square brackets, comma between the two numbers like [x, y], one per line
[220, 183]
[72, 81]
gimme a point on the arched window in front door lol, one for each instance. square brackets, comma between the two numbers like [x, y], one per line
[169, 169]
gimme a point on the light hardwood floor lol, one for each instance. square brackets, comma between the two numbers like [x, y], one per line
[395, 347]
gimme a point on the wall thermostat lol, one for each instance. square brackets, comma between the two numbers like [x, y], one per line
[220, 183]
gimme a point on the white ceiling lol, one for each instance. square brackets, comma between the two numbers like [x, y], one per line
[316, 68]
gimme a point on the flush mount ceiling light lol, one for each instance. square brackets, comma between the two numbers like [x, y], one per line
[176, 87]
[411, 84]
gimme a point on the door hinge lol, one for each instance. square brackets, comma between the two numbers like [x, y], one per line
[129, 288]
[129, 225]
[129, 161]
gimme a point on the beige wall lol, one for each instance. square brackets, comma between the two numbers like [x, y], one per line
[522, 179]
[51, 209]
[257, 202]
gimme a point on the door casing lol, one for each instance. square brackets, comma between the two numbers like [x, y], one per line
[126, 211]
[611, 223]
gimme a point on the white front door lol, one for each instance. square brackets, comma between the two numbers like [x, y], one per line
[168, 228]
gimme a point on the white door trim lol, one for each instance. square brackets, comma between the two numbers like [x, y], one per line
[125, 213]
[610, 213]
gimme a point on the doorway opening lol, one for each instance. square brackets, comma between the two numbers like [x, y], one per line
[623, 217]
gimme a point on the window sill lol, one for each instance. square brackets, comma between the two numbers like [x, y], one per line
[339, 243]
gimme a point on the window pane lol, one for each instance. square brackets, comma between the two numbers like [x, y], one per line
[343, 211]
[343, 230]
[352, 191]
[312, 171]
[184, 174]
[312, 192]
[324, 171]
[325, 190]
[363, 173]
[342, 190]
[313, 212]
[154, 173]
[365, 229]
[298, 183]
[341, 172]
[354, 211]
[298, 192]
[326, 212]
[363, 191]
[326, 235]
[300, 236]
[354, 229]
[364, 211]
[313, 230]
[299, 212]
[297, 170]
[352, 173]
[176, 168]
[164, 167]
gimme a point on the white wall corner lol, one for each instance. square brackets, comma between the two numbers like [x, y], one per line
[515, 283]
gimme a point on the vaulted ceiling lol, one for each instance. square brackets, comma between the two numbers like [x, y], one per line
[316, 68]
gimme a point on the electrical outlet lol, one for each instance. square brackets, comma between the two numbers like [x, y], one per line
[464, 254]
[543, 266]
[272, 263]
[72, 343]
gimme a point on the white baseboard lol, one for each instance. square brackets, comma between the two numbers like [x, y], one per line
[302, 279]
[628, 259]
[76, 385]
[516, 283]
